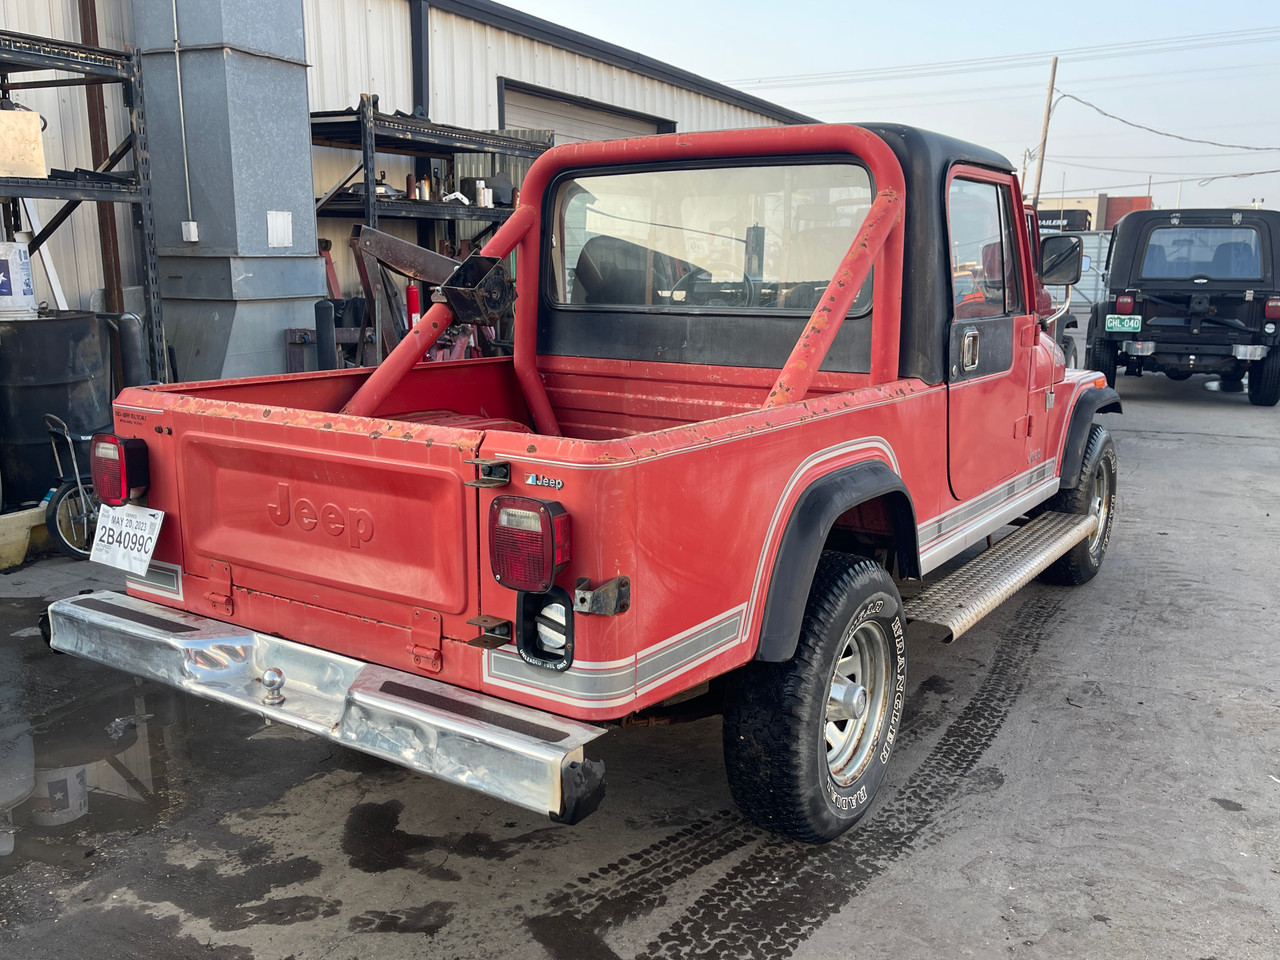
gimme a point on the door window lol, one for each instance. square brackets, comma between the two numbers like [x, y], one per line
[984, 264]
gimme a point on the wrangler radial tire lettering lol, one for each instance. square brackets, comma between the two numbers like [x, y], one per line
[807, 741]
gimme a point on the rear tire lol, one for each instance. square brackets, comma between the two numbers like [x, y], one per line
[800, 759]
[1094, 494]
[1104, 360]
[1264, 380]
[70, 526]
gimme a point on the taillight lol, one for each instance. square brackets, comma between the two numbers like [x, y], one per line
[1272, 308]
[528, 542]
[1124, 304]
[119, 468]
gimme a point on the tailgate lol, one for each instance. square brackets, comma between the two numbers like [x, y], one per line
[321, 516]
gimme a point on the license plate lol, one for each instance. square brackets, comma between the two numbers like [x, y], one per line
[1124, 322]
[126, 537]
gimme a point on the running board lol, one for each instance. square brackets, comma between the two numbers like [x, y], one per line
[959, 600]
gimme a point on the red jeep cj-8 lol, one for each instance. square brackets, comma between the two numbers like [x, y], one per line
[746, 395]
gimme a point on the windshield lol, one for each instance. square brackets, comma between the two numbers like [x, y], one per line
[742, 239]
[1219, 253]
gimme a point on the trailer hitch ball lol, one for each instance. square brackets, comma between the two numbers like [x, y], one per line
[273, 682]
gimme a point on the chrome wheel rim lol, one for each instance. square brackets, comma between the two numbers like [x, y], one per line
[1100, 505]
[860, 676]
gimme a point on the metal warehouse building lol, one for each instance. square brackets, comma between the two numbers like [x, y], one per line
[234, 155]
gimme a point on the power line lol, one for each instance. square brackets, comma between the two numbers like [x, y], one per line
[1161, 133]
[1158, 173]
[1163, 183]
[1011, 61]
[927, 98]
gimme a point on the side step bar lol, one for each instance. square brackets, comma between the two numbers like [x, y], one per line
[527, 757]
[959, 600]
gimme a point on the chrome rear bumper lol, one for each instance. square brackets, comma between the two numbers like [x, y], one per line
[524, 756]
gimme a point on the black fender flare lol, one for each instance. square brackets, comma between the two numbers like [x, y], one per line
[1092, 401]
[806, 531]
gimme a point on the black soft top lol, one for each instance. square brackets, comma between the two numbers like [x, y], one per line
[1129, 243]
[926, 158]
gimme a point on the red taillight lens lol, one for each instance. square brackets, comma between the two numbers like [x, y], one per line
[1272, 308]
[1124, 304]
[528, 542]
[119, 468]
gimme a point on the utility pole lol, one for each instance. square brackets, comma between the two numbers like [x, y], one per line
[1044, 131]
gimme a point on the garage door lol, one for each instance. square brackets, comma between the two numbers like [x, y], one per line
[572, 122]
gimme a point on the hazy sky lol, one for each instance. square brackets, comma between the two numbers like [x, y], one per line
[1216, 78]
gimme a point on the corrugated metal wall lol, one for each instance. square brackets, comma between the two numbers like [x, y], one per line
[74, 247]
[467, 58]
[363, 46]
[354, 47]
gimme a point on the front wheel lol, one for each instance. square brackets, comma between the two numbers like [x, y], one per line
[807, 741]
[1095, 494]
[71, 519]
[1264, 380]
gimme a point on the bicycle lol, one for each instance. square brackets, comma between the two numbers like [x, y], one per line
[71, 516]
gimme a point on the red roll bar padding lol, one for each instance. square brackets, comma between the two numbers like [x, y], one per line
[409, 351]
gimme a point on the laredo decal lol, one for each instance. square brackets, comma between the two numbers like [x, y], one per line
[357, 524]
[534, 480]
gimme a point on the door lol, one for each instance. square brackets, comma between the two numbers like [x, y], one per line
[572, 119]
[992, 334]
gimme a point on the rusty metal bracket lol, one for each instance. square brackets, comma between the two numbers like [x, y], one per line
[494, 632]
[493, 473]
[608, 599]
[403, 257]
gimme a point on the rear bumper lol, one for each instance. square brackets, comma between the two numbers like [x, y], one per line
[1189, 354]
[524, 756]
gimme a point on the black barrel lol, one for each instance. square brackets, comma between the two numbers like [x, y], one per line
[52, 364]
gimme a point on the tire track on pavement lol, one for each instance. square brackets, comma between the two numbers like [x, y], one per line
[771, 901]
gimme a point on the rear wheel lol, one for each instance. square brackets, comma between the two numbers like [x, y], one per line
[71, 520]
[807, 741]
[1104, 360]
[1264, 380]
[1095, 494]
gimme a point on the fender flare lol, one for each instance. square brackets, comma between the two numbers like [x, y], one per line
[1092, 401]
[811, 519]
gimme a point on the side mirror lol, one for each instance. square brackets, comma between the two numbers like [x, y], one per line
[1086, 263]
[1061, 259]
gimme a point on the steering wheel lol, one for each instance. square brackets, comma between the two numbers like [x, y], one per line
[723, 293]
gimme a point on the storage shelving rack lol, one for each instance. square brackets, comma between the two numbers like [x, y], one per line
[372, 133]
[19, 54]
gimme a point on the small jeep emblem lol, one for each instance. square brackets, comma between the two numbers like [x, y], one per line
[535, 480]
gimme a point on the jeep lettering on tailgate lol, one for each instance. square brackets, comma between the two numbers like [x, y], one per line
[329, 517]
